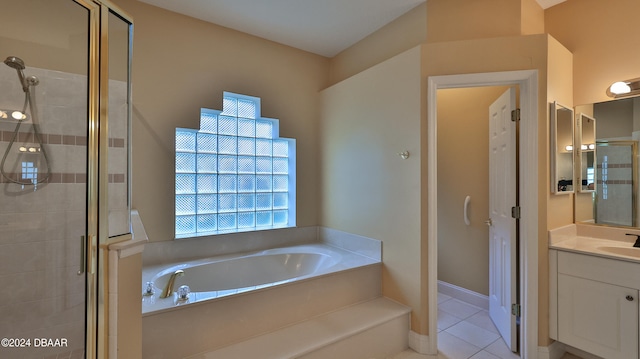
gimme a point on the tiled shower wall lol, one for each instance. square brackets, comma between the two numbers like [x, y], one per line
[615, 185]
[41, 226]
[119, 216]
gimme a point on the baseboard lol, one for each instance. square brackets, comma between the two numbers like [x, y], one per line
[421, 344]
[580, 353]
[554, 351]
[463, 294]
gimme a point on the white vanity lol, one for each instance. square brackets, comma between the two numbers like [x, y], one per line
[594, 289]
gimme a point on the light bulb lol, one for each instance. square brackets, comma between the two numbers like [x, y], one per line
[619, 88]
[568, 148]
[18, 115]
[592, 146]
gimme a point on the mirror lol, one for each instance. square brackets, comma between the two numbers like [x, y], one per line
[119, 124]
[562, 145]
[613, 201]
[586, 147]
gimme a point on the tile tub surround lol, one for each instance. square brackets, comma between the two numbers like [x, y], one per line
[210, 246]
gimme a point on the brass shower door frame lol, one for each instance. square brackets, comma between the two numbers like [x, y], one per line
[97, 239]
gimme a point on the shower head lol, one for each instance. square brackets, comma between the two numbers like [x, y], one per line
[14, 62]
[17, 64]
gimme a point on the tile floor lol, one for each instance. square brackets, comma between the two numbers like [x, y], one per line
[466, 332]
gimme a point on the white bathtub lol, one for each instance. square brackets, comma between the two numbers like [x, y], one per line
[228, 275]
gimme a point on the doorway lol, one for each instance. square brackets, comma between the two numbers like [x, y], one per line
[476, 232]
[527, 81]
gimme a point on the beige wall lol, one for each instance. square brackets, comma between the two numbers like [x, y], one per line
[129, 317]
[531, 17]
[560, 65]
[180, 65]
[452, 20]
[367, 188]
[559, 208]
[502, 54]
[407, 31]
[463, 170]
[605, 40]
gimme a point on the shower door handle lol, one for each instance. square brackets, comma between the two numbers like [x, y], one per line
[83, 255]
[93, 254]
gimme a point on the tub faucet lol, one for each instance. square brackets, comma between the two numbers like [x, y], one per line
[637, 244]
[168, 289]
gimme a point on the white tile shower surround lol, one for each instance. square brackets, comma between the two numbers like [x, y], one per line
[466, 332]
[40, 230]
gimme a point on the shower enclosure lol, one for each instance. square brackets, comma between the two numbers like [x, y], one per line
[65, 173]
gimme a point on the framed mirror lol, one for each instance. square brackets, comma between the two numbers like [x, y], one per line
[562, 149]
[120, 31]
[586, 150]
[614, 199]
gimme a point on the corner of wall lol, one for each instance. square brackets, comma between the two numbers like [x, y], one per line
[406, 32]
[531, 17]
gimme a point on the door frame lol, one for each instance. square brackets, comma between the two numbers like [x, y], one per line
[527, 80]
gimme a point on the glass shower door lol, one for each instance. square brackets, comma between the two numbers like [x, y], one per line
[43, 188]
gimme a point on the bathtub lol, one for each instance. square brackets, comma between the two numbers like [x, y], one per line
[230, 275]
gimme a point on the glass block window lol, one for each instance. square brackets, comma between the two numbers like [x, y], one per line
[234, 173]
[29, 172]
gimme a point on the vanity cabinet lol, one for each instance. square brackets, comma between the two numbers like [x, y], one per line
[595, 304]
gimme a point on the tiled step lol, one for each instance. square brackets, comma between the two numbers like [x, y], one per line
[378, 328]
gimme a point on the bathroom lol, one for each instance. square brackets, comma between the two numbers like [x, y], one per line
[339, 182]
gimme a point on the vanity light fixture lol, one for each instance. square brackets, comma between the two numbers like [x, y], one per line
[624, 88]
[590, 146]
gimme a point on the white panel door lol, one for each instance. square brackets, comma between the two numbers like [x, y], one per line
[502, 227]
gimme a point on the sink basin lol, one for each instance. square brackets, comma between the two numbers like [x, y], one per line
[624, 251]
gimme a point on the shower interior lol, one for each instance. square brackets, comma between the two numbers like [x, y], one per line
[43, 186]
[42, 211]
[56, 220]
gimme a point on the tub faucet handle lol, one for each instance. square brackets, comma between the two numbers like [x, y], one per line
[183, 292]
[148, 291]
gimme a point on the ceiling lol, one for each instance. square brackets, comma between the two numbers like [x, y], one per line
[323, 27]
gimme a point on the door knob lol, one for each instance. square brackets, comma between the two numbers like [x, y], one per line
[629, 298]
[488, 222]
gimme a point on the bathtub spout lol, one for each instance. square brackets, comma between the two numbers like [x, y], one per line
[169, 288]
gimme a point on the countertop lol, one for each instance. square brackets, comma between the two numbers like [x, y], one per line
[602, 242]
